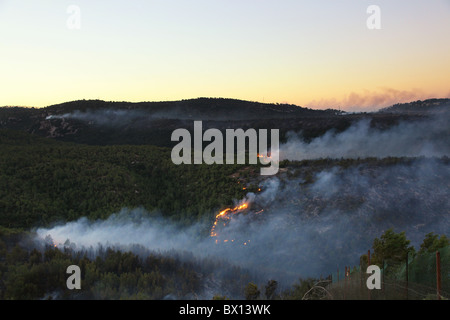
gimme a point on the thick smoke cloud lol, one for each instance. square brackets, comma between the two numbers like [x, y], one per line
[308, 221]
[293, 229]
[428, 138]
[122, 230]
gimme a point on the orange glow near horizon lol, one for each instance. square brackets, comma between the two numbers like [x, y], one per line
[296, 52]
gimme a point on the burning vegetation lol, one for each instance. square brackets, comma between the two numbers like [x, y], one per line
[224, 216]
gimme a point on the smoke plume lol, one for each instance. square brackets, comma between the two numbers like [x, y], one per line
[293, 228]
[109, 117]
[429, 138]
[309, 219]
[369, 101]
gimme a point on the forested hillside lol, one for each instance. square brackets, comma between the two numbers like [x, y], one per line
[44, 181]
[92, 183]
[97, 122]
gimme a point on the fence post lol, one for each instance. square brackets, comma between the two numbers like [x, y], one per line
[369, 297]
[338, 275]
[360, 277]
[406, 274]
[345, 283]
[438, 274]
[382, 285]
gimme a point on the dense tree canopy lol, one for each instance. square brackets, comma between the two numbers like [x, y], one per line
[43, 181]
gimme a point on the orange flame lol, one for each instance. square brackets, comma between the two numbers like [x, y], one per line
[226, 215]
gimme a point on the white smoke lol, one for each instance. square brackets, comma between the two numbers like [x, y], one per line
[303, 230]
[407, 139]
[121, 230]
[105, 117]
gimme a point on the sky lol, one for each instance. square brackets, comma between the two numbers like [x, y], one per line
[315, 53]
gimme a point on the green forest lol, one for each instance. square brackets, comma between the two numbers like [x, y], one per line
[41, 274]
[43, 181]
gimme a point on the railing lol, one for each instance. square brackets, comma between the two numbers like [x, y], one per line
[420, 277]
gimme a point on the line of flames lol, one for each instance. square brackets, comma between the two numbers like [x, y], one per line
[226, 215]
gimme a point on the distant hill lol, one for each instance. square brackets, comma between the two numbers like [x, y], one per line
[419, 107]
[195, 109]
[97, 122]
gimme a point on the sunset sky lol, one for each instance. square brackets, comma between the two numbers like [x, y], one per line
[316, 53]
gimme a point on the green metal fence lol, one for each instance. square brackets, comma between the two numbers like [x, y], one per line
[417, 277]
